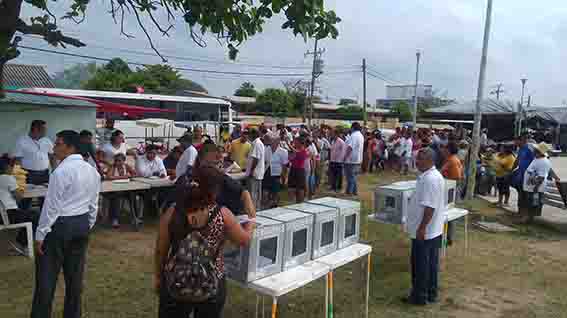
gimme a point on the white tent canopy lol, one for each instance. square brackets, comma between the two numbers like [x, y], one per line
[154, 122]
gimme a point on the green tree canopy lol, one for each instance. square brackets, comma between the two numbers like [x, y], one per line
[403, 110]
[231, 22]
[74, 76]
[275, 101]
[157, 79]
[347, 101]
[247, 89]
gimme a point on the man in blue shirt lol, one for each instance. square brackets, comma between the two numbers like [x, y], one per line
[523, 160]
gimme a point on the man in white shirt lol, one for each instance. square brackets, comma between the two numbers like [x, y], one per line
[353, 158]
[188, 157]
[535, 177]
[406, 151]
[255, 168]
[150, 165]
[425, 221]
[62, 236]
[34, 153]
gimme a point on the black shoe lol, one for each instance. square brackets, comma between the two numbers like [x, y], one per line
[411, 301]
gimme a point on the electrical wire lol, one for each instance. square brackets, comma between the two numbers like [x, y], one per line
[182, 68]
[210, 61]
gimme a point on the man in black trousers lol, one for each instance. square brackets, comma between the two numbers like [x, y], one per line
[425, 221]
[67, 216]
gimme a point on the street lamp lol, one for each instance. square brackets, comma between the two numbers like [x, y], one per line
[521, 106]
[418, 56]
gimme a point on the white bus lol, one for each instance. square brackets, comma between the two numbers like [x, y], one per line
[187, 108]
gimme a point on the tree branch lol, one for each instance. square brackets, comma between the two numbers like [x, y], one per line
[145, 31]
[53, 37]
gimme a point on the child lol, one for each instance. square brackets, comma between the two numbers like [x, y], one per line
[8, 198]
[117, 171]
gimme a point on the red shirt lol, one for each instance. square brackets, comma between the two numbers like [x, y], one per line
[298, 159]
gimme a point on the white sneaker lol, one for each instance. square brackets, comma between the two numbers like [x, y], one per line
[115, 224]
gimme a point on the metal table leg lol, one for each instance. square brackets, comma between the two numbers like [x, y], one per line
[466, 235]
[369, 264]
[133, 209]
[257, 304]
[274, 307]
[331, 308]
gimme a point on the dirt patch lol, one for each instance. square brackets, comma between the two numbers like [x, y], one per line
[555, 249]
[482, 302]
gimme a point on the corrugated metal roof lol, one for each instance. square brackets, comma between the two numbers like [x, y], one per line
[43, 100]
[17, 76]
[487, 106]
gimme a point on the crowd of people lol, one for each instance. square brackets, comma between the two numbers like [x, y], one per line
[204, 208]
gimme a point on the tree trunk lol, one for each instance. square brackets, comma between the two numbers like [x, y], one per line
[9, 15]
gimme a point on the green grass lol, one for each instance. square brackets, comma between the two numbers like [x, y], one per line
[503, 276]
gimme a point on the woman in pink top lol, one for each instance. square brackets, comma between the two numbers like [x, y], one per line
[297, 175]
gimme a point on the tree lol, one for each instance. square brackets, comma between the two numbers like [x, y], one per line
[74, 76]
[156, 79]
[275, 101]
[297, 90]
[347, 101]
[402, 109]
[246, 90]
[230, 21]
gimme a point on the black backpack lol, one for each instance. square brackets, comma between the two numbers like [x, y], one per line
[189, 273]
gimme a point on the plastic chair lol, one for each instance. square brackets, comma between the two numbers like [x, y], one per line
[8, 226]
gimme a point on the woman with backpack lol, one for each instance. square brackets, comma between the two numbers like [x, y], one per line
[189, 264]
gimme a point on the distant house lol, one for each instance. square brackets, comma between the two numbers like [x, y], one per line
[17, 76]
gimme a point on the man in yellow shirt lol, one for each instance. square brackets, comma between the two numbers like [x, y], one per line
[503, 164]
[239, 149]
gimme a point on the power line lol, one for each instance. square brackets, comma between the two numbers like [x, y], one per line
[382, 76]
[210, 61]
[175, 67]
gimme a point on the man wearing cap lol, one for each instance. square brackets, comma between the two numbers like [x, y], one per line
[534, 181]
[189, 155]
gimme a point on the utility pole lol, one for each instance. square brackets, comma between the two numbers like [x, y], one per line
[498, 91]
[315, 73]
[417, 55]
[521, 107]
[364, 114]
[473, 152]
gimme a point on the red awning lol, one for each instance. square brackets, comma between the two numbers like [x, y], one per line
[105, 106]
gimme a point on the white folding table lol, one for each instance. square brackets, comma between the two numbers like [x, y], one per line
[280, 284]
[130, 187]
[340, 258]
[452, 215]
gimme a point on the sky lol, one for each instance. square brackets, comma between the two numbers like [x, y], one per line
[527, 40]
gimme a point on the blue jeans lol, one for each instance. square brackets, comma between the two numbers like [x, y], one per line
[425, 269]
[351, 172]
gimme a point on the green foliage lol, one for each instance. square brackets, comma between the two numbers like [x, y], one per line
[353, 112]
[246, 90]
[347, 101]
[276, 102]
[156, 79]
[232, 21]
[74, 76]
[403, 110]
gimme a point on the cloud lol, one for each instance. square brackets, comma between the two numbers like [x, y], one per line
[527, 40]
